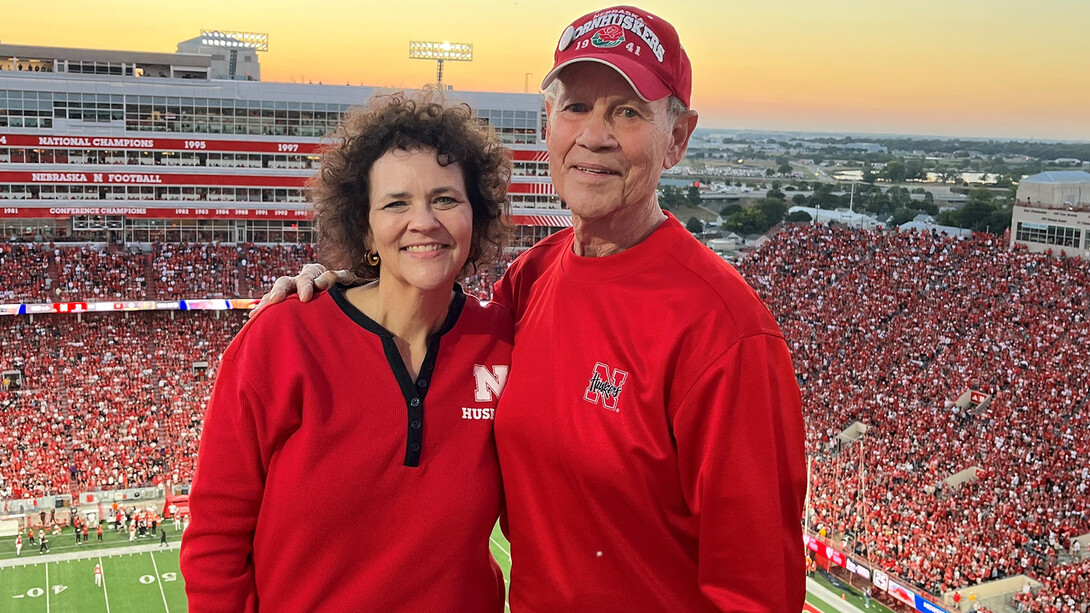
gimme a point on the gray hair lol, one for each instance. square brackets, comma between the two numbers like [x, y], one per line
[674, 106]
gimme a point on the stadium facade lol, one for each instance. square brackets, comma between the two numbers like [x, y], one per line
[1052, 213]
[107, 146]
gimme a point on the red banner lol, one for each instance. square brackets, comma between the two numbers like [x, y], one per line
[524, 155]
[150, 178]
[266, 145]
[544, 188]
[541, 189]
[901, 593]
[835, 556]
[203, 212]
[157, 144]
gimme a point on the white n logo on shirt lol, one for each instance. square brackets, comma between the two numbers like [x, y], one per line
[489, 383]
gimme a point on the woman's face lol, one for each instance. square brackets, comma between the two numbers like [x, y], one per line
[421, 219]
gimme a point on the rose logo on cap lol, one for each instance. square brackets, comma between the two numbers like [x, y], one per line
[607, 37]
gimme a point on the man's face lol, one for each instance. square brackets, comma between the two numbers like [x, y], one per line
[607, 147]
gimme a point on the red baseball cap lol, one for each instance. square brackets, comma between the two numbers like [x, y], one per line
[644, 48]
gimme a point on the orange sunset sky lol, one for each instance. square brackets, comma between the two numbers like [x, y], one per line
[1003, 68]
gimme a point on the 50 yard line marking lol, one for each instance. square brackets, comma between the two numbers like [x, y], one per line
[104, 594]
[159, 580]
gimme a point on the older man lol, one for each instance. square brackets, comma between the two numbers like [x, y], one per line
[650, 433]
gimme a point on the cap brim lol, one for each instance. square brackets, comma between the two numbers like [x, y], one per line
[649, 88]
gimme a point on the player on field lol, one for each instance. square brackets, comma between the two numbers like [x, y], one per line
[98, 575]
[18, 544]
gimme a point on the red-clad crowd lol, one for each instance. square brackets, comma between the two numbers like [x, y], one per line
[885, 328]
[889, 329]
[92, 275]
[23, 272]
[1064, 590]
[50, 273]
[108, 400]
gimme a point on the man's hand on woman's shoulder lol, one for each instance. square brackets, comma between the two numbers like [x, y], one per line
[312, 280]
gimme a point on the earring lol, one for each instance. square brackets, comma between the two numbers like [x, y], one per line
[372, 258]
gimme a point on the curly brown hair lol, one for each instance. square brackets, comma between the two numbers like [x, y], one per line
[420, 120]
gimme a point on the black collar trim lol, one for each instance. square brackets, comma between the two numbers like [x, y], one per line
[414, 392]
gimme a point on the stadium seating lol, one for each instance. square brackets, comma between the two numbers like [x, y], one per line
[888, 329]
[107, 400]
[884, 328]
[23, 271]
[50, 273]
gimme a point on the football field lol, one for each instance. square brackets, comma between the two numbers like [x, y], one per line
[136, 582]
[143, 578]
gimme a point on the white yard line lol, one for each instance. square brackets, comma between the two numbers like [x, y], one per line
[828, 597]
[47, 587]
[159, 580]
[497, 544]
[506, 604]
[104, 594]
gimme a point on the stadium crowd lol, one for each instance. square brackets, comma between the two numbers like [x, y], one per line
[48, 273]
[107, 401]
[886, 328]
[889, 329]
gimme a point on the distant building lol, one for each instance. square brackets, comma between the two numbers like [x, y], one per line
[1052, 213]
[841, 216]
[917, 225]
[139, 147]
[232, 59]
[864, 147]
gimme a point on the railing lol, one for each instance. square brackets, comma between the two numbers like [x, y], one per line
[1081, 207]
[893, 591]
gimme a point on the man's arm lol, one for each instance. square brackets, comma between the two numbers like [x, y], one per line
[739, 433]
[312, 280]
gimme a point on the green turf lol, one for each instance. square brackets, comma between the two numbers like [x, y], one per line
[852, 596]
[65, 542]
[134, 583]
[138, 582]
[501, 550]
[142, 582]
[820, 604]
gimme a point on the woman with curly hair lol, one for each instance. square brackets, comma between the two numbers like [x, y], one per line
[347, 461]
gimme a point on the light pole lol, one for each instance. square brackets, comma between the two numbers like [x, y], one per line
[440, 52]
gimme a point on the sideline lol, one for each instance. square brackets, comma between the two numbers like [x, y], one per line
[80, 555]
[828, 597]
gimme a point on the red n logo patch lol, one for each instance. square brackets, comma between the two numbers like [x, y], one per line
[605, 387]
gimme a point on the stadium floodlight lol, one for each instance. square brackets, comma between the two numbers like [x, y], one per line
[440, 52]
[234, 38]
